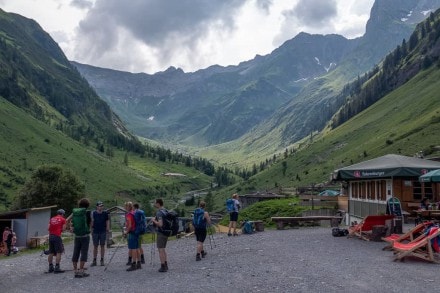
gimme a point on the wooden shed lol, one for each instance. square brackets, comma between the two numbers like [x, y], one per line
[27, 223]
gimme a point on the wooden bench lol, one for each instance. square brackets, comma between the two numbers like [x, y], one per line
[281, 222]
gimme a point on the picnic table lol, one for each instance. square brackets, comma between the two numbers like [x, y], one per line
[428, 215]
[281, 222]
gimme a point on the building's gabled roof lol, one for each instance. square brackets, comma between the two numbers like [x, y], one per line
[385, 167]
[21, 213]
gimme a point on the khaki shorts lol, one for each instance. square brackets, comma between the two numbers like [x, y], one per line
[161, 240]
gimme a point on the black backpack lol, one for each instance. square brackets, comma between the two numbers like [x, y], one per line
[170, 222]
[338, 232]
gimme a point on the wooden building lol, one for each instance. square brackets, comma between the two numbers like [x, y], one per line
[371, 183]
[27, 223]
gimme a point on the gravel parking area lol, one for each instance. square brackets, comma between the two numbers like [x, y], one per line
[293, 260]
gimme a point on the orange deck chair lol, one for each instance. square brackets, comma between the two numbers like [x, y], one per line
[422, 248]
[409, 236]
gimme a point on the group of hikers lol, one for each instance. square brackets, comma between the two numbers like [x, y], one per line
[83, 222]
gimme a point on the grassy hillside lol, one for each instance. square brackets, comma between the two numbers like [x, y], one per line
[27, 143]
[404, 122]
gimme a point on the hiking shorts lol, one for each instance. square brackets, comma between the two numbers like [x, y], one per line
[161, 240]
[233, 217]
[140, 241]
[200, 234]
[55, 244]
[81, 247]
[133, 241]
[99, 238]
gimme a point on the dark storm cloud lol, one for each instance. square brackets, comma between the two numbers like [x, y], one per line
[154, 22]
[314, 13]
[81, 4]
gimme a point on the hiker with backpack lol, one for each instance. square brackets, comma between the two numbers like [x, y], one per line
[100, 227]
[132, 238]
[200, 221]
[79, 221]
[141, 228]
[162, 237]
[57, 225]
[233, 206]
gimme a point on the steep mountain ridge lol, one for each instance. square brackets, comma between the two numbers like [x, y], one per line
[36, 75]
[197, 108]
[158, 106]
[318, 101]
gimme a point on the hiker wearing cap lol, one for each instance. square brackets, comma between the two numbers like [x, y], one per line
[57, 225]
[100, 226]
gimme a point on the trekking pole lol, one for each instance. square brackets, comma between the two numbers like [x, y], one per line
[211, 236]
[153, 240]
[114, 252]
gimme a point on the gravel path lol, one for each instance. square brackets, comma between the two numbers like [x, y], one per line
[294, 260]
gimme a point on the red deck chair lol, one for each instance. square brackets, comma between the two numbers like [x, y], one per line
[364, 228]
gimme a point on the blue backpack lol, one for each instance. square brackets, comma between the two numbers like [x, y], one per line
[247, 228]
[230, 205]
[140, 220]
[199, 221]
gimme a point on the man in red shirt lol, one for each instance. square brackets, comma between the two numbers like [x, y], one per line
[57, 225]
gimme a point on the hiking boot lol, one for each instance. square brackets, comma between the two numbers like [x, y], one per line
[204, 254]
[198, 258]
[132, 267]
[138, 265]
[166, 266]
[163, 268]
[229, 234]
[142, 259]
[57, 270]
[93, 263]
[235, 234]
[102, 262]
[81, 275]
[129, 261]
[51, 269]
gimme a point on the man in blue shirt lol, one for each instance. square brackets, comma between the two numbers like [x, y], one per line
[100, 227]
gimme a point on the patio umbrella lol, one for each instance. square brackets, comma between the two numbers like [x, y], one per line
[433, 176]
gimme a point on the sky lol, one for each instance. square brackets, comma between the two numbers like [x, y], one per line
[152, 35]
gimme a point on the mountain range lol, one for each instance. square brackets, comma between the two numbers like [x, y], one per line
[267, 103]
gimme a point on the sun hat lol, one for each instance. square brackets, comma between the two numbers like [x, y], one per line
[61, 212]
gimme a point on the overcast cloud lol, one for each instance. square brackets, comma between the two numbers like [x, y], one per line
[151, 35]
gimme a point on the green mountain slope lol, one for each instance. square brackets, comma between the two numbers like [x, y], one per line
[36, 76]
[405, 122]
[27, 143]
[50, 115]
